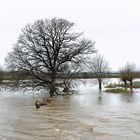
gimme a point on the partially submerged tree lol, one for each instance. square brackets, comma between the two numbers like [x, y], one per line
[100, 67]
[123, 75]
[45, 49]
[128, 73]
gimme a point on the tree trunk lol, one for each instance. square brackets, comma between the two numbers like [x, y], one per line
[131, 83]
[125, 82]
[52, 87]
[100, 84]
[52, 91]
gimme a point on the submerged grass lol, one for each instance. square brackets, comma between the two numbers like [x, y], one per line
[110, 86]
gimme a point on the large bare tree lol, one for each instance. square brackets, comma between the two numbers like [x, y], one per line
[100, 67]
[45, 49]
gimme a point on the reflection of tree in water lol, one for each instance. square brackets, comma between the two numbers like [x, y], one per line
[131, 90]
[84, 82]
[99, 99]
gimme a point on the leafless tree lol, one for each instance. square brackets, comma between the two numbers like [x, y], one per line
[100, 67]
[45, 49]
[128, 73]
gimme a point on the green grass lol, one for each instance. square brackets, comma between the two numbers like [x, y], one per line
[136, 83]
[117, 90]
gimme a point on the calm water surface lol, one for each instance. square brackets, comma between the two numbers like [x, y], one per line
[87, 115]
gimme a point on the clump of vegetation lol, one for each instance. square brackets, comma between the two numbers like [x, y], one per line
[122, 88]
[117, 90]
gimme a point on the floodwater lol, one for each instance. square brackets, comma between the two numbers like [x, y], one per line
[87, 115]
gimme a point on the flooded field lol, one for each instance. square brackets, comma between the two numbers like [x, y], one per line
[87, 115]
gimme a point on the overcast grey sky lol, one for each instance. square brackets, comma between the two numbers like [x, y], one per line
[113, 24]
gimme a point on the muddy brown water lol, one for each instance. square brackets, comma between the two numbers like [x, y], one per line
[87, 115]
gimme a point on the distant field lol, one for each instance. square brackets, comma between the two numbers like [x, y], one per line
[21, 75]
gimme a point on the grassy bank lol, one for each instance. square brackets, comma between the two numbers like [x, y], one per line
[117, 90]
[121, 88]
